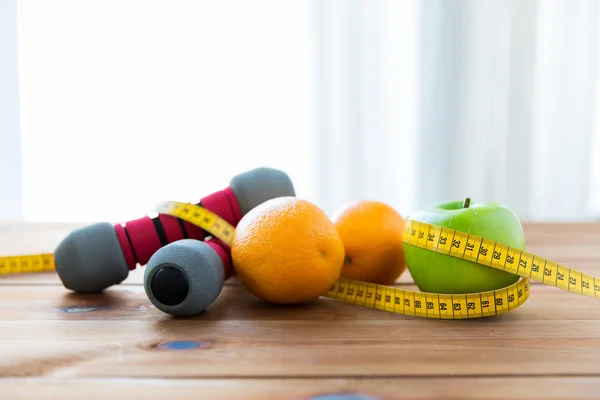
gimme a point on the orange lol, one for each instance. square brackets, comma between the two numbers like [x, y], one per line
[287, 251]
[372, 235]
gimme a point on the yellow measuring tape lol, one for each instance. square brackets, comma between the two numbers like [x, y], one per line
[201, 217]
[394, 299]
[27, 264]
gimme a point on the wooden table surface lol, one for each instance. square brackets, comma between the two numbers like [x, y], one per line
[55, 344]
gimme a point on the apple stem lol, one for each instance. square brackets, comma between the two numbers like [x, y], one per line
[467, 202]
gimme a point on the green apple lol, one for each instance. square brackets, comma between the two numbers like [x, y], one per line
[441, 273]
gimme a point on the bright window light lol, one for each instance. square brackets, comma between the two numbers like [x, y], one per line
[127, 103]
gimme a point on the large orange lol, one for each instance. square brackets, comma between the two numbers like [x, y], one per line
[286, 251]
[372, 235]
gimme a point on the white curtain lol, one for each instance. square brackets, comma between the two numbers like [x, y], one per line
[408, 102]
[10, 149]
[127, 103]
[366, 102]
[422, 102]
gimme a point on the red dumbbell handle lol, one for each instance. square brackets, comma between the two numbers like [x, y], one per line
[141, 238]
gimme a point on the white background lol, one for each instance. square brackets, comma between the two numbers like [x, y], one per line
[127, 103]
[120, 104]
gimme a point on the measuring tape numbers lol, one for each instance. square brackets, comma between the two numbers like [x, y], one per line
[392, 298]
[199, 216]
[499, 256]
[441, 240]
[430, 305]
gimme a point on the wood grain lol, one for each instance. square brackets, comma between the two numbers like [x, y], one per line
[517, 388]
[57, 344]
[118, 333]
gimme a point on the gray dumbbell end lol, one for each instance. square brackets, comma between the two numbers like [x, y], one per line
[90, 259]
[254, 187]
[183, 278]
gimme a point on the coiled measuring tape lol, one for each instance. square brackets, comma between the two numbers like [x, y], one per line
[394, 299]
[441, 240]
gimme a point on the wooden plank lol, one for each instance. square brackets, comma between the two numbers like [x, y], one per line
[574, 245]
[121, 335]
[556, 229]
[44, 237]
[588, 266]
[27, 238]
[46, 330]
[518, 388]
[136, 277]
[32, 303]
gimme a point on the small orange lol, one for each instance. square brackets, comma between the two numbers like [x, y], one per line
[286, 251]
[372, 235]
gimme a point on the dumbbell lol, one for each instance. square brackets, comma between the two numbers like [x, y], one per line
[185, 277]
[95, 257]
